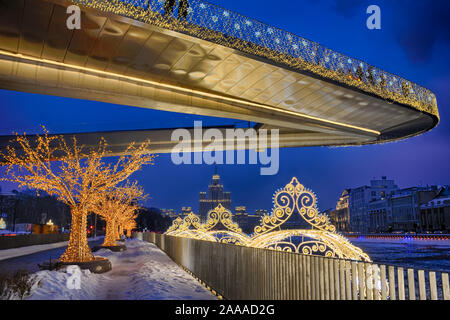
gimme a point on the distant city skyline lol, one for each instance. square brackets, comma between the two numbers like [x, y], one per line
[251, 200]
[251, 208]
[215, 196]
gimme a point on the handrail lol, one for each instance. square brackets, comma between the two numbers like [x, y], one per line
[238, 272]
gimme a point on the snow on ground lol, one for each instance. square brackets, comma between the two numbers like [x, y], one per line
[142, 272]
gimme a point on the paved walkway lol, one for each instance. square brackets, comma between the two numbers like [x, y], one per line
[27, 258]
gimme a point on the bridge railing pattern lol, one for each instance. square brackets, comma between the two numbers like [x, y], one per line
[401, 237]
[222, 26]
[244, 273]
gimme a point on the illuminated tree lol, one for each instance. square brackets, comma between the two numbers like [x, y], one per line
[127, 218]
[129, 226]
[75, 178]
[127, 223]
[117, 206]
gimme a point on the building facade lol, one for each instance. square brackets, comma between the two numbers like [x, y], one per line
[261, 212]
[241, 216]
[434, 215]
[405, 204]
[246, 221]
[355, 205]
[185, 211]
[383, 207]
[170, 213]
[215, 196]
[340, 217]
[358, 201]
[380, 215]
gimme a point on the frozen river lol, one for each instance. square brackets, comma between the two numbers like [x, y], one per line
[419, 254]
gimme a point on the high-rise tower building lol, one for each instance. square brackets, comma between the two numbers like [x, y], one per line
[215, 196]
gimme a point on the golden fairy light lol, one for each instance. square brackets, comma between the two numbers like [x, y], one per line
[117, 207]
[230, 29]
[274, 232]
[129, 226]
[76, 178]
[127, 222]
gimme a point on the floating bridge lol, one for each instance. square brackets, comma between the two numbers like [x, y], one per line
[215, 63]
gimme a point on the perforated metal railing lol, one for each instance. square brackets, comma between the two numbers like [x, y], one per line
[222, 26]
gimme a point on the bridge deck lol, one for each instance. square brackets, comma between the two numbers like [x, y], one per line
[217, 63]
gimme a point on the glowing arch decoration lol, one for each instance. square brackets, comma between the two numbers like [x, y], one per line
[175, 226]
[189, 227]
[218, 228]
[221, 226]
[222, 216]
[191, 222]
[294, 197]
[320, 239]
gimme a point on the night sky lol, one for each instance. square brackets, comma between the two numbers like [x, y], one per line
[413, 43]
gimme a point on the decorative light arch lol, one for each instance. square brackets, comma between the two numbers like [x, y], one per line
[221, 226]
[189, 227]
[273, 233]
[321, 239]
[218, 228]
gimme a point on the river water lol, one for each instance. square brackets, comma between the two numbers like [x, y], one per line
[419, 254]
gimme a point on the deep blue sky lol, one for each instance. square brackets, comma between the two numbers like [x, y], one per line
[413, 43]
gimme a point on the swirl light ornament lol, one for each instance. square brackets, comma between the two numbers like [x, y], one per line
[218, 216]
[189, 227]
[218, 228]
[221, 226]
[274, 233]
[175, 225]
[294, 197]
[321, 239]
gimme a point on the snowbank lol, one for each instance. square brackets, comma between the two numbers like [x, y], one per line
[143, 272]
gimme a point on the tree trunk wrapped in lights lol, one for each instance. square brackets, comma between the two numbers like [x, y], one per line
[120, 232]
[117, 206]
[78, 248]
[74, 175]
[129, 226]
[110, 235]
[127, 222]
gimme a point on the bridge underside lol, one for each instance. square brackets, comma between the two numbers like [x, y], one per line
[119, 60]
